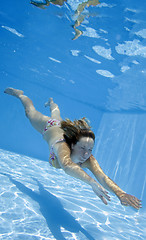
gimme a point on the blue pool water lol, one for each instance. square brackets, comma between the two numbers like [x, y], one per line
[37, 204]
[100, 75]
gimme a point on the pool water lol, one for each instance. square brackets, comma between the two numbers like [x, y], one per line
[90, 57]
[37, 204]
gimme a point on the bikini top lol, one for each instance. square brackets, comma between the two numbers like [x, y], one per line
[52, 156]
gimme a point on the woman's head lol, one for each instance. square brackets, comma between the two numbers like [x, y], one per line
[82, 150]
[79, 136]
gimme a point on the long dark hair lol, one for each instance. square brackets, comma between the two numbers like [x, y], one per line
[74, 130]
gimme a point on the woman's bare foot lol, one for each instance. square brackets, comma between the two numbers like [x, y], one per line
[49, 102]
[13, 92]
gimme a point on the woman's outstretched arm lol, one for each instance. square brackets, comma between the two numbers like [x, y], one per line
[62, 152]
[105, 181]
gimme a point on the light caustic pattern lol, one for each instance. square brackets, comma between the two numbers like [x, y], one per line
[40, 202]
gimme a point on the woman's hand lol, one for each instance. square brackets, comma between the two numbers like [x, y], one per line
[100, 192]
[129, 200]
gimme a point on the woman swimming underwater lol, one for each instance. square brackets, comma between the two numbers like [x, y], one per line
[71, 145]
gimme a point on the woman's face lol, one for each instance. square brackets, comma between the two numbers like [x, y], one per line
[82, 150]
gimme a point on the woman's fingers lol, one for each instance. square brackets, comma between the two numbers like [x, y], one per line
[105, 193]
[103, 199]
[101, 192]
[129, 200]
[134, 202]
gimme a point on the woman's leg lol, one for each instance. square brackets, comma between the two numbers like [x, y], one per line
[37, 119]
[54, 109]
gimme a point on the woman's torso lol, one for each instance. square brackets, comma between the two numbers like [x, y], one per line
[54, 135]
